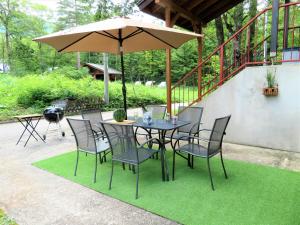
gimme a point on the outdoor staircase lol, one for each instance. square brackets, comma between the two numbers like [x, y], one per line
[249, 46]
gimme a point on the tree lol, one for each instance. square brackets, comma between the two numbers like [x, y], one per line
[8, 10]
[72, 13]
[252, 13]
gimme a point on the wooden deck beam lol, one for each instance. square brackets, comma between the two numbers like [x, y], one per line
[178, 9]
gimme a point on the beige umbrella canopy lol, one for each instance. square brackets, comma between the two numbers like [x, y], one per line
[118, 36]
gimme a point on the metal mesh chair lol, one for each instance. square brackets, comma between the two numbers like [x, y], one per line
[214, 145]
[94, 116]
[158, 112]
[193, 115]
[125, 149]
[86, 141]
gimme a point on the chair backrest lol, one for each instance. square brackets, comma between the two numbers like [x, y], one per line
[191, 114]
[158, 111]
[94, 116]
[217, 133]
[83, 133]
[122, 141]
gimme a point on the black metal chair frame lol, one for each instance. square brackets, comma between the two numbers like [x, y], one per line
[208, 155]
[135, 165]
[173, 141]
[96, 138]
[99, 132]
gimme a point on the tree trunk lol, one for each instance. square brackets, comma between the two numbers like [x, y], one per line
[252, 13]
[220, 35]
[106, 78]
[7, 45]
[78, 60]
[219, 30]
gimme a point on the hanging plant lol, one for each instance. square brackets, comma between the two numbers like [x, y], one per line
[272, 85]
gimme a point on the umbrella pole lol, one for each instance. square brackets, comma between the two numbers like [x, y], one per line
[122, 70]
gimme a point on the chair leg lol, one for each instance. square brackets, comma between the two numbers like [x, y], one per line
[76, 163]
[123, 165]
[111, 174]
[96, 163]
[137, 182]
[223, 165]
[211, 181]
[100, 158]
[189, 161]
[192, 166]
[133, 169]
[173, 169]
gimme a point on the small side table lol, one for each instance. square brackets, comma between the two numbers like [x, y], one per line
[29, 126]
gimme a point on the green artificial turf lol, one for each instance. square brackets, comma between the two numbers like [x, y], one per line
[253, 194]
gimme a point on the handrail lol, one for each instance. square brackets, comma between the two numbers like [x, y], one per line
[233, 36]
[237, 52]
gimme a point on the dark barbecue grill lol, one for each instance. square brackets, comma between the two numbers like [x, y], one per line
[54, 114]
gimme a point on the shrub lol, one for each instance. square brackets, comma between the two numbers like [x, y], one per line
[37, 97]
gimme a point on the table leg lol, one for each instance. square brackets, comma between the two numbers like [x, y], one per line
[33, 127]
[25, 129]
[163, 135]
[162, 158]
[165, 170]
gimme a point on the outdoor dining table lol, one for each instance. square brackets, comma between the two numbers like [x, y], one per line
[162, 126]
[29, 126]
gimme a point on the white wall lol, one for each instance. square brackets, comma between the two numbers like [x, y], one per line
[272, 122]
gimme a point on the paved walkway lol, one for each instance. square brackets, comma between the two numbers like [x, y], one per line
[35, 197]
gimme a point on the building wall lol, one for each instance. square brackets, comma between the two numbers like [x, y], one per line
[272, 122]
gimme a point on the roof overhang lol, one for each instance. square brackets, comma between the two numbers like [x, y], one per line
[187, 13]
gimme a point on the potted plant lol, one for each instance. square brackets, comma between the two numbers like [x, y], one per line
[272, 86]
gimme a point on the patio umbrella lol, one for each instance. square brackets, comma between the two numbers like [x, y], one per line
[118, 36]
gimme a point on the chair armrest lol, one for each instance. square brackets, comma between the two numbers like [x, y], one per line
[209, 130]
[195, 137]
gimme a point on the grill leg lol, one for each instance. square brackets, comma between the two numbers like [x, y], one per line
[59, 128]
[46, 130]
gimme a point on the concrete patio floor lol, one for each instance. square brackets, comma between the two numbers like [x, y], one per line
[35, 197]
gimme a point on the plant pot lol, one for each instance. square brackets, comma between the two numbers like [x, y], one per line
[270, 91]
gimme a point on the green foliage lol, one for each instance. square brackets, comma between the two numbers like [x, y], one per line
[72, 73]
[5, 220]
[271, 79]
[119, 115]
[32, 92]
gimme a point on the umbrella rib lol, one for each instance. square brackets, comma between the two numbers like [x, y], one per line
[108, 35]
[136, 32]
[75, 42]
[147, 32]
